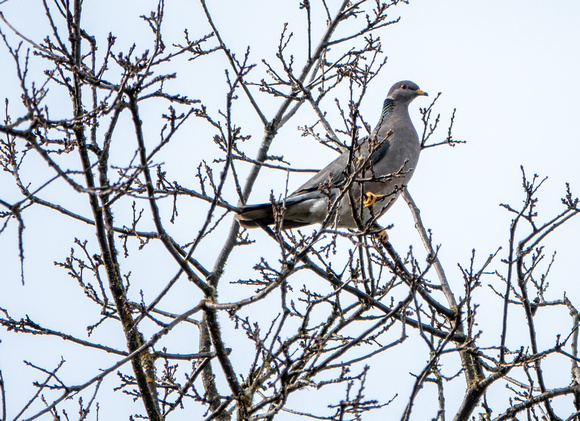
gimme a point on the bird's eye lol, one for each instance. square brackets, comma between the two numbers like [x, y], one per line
[404, 86]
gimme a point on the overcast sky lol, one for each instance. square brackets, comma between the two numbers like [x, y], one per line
[510, 68]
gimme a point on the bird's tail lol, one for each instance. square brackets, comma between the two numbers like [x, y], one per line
[253, 216]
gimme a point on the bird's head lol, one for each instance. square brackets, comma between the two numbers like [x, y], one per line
[405, 91]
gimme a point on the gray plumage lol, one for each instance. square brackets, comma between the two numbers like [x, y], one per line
[376, 169]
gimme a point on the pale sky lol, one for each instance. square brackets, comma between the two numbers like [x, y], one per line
[511, 70]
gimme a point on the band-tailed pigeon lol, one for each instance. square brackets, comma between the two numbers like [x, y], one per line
[374, 182]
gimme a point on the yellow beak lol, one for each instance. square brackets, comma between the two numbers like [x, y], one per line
[420, 92]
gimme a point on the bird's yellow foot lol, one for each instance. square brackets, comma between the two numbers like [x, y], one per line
[370, 199]
[383, 236]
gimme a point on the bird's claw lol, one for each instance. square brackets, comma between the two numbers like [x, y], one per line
[369, 199]
[383, 236]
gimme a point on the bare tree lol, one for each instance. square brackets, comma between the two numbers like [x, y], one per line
[270, 315]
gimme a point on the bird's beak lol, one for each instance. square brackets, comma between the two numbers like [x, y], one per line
[420, 92]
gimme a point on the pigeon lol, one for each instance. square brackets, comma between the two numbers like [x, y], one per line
[360, 185]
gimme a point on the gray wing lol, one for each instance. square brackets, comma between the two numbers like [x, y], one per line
[335, 173]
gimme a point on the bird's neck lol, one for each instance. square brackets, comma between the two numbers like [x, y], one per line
[391, 113]
[388, 107]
